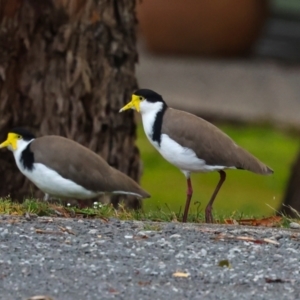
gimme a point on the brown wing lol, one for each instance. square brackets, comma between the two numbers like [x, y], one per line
[81, 165]
[209, 142]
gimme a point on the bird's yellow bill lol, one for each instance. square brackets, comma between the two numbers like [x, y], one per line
[133, 104]
[11, 141]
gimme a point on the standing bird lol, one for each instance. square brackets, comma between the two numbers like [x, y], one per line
[63, 168]
[191, 143]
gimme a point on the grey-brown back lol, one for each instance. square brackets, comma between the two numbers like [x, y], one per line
[81, 165]
[208, 142]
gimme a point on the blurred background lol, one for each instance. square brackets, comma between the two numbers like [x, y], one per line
[236, 64]
[67, 67]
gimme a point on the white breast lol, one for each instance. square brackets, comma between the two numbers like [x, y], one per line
[183, 158]
[50, 182]
[149, 112]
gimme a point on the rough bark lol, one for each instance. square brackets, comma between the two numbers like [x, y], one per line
[66, 68]
[292, 194]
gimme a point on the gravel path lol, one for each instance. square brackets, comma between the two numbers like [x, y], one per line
[93, 259]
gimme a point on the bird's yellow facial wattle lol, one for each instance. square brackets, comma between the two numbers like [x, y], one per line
[11, 141]
[134, 103]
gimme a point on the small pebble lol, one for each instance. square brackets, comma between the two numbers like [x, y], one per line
[294, 225]
[175, 236]
[146, 233]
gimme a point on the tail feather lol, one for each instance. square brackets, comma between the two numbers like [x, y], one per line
[251, 163]
[123, 184]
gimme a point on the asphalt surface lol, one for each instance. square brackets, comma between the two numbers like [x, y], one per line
[97, 259]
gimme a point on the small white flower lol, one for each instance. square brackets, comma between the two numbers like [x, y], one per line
[69, 204]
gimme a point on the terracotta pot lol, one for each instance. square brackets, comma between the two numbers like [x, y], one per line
[209, 27]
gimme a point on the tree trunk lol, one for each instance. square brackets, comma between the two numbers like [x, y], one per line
[66, 68]
[292, 194]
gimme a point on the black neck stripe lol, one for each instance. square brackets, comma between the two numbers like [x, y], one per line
[27, 158]
[157, 125]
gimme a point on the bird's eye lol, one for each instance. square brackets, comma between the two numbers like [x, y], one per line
[141, 98]
[19, 137]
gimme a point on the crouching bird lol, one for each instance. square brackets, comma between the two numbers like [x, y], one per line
[63, 168]
[191, 143]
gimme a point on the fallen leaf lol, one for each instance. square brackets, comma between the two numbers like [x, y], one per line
[63, 229]
[276, 280]
[105, 220]
[257, 241]
[141, 237]
[225, 263]
[207, 230]
[294, 236]
[143, 283]
[40, 297]
[41, 231]
[267, 222]
[10, 221]
[46, 220]
[181, 274]
[246, 239]
[231, 222]
[29, 216]
[60, 211]
[113, 291]
[270, 241]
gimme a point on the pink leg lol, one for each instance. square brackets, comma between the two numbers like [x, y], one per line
[189, 194]
[208, 209]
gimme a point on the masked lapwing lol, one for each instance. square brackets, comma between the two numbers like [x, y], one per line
[62, 168]
[191, 143]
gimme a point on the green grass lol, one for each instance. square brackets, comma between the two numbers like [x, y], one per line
[41, 208]
[242, 193]
[31, 208]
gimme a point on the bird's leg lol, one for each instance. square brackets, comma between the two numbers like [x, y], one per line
[189, 194]
[208, 209]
